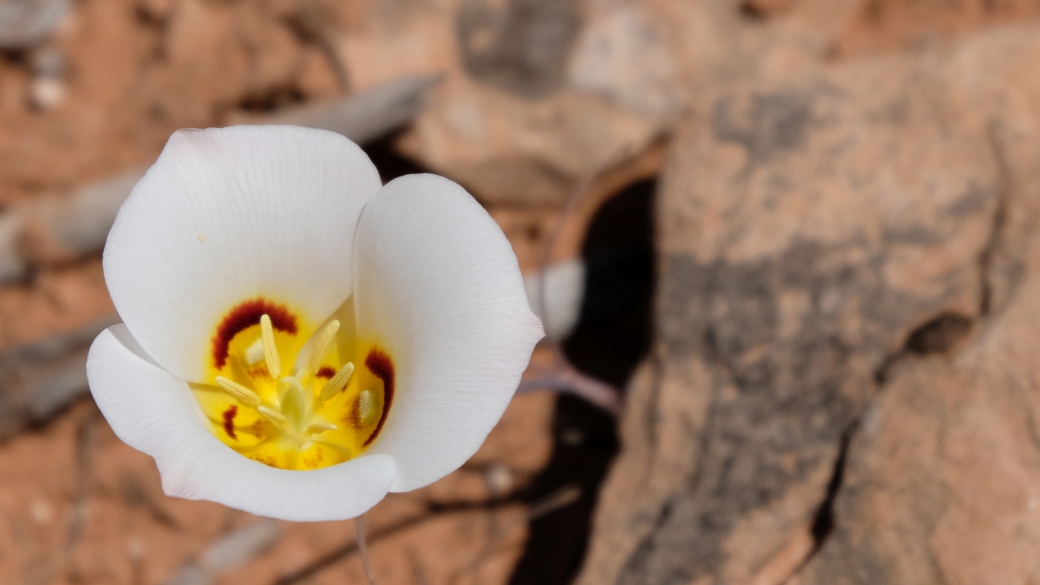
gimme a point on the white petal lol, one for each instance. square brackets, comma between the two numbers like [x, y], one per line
[154, 412]
[561, 288]
[438, 287]
[227, 215]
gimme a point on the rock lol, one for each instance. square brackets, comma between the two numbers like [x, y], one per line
[624, 56]
[46, 93]
[157, 10]
[520, 46]
[817, 234]
[222, 56]
[765, 8]
[540, 94]
[941, 483]
[505, 123]
[733, 41]
[27, 23]
[47, 90]
[881, 25]
[525, 124]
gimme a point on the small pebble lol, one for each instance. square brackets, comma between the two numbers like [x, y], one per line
[41, 511]
[135, 548]
[499, 478]
[47, 93]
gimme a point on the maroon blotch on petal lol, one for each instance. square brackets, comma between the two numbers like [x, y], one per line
[382, 366]
[245, 315]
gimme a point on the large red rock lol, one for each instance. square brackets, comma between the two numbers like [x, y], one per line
[942, 484]
[818, 234]
[941, 481]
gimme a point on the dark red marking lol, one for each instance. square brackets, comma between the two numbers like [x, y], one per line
[229, 421]
[242, 317]
[326, 372]
[354, 418]
[382, 366]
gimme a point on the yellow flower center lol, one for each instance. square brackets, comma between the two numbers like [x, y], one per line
[292, 404]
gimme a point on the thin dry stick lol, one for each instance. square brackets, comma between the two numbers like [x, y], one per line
[362, 547]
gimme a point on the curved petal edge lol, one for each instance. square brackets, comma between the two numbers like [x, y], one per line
[438, 287]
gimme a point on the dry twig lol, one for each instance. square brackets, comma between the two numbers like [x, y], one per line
[38, 380]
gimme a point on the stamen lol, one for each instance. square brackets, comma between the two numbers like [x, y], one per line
[321, 427]
[322, 347]
[238, 391]
[338, 382]
[274, 364]
[271, 415]
[366, 406]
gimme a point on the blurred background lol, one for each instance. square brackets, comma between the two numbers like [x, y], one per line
[787, 252]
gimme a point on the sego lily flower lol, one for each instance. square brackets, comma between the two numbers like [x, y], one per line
[297, 339]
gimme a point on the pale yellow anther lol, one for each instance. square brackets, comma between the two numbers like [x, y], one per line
[320, 427]
[338, 382]
[271, 415]
[322, 347]
[366, 406]
[274, 364]
[238, 391]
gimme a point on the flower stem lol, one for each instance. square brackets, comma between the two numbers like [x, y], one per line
[362, 545]
[564, 378]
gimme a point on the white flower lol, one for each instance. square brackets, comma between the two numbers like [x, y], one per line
[298, 340]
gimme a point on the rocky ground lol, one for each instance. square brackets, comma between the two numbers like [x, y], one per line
[842, 199]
